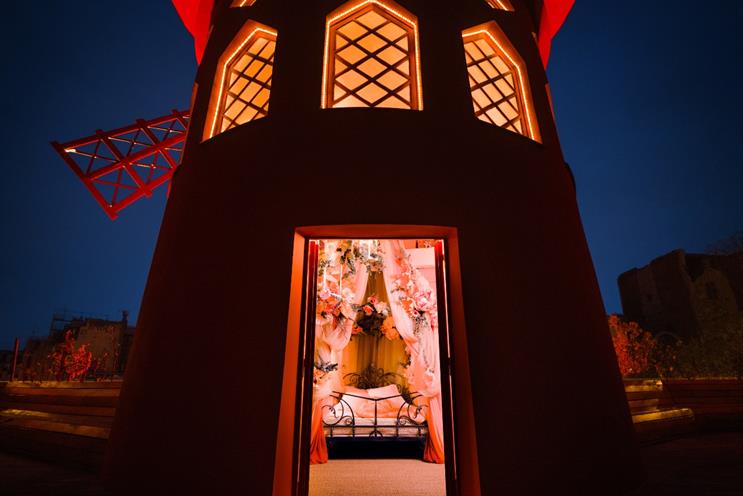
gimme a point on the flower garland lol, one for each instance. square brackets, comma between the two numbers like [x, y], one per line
[418, 302]
[374, 319]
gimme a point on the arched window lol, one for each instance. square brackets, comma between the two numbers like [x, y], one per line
[371, 57]
[242, 84]
[498, 81]
[501, 4]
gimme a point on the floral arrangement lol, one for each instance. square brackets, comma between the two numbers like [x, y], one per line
[374, 319]
[374, 257]
[418, 302]
[347, 255]
[332, 305]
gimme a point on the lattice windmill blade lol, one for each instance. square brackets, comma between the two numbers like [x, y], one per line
[123, 165]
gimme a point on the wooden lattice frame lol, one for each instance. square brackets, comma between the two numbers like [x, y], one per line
[253, 71]
[499, 84]
[389, 79]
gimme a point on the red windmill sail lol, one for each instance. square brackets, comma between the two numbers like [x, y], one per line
[121, 166]
[554, 13]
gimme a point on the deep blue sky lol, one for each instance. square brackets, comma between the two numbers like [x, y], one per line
[647, 98]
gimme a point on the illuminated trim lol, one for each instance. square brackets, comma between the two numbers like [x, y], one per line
[396, 12]
[501, 4]
[242, 3]
[252, 28]
[519, 66]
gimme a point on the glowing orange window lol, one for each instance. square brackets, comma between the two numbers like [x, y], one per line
[498, 82]
[242, 84]
[371, 57]
[501, 4]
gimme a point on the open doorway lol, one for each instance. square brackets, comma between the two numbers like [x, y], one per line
[376, 388]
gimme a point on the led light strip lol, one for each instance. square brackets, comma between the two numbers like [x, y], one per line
[412, 23]
[502, 4]
[223, 70]
[523, 86]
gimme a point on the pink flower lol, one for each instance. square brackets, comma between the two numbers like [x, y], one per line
[324, 294]
[423, 301]
[373, 300]
[368, 310]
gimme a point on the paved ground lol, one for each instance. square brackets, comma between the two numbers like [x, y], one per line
[21, 476]
[705, 465]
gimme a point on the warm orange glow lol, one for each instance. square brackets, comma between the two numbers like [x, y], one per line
[675, 413]
[497, 97]
[501, 4]
[371, 57]
[242, 3]
[243, 80]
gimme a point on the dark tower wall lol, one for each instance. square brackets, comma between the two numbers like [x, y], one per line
[200, 403]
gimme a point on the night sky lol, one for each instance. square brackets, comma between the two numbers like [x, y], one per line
[648, 102]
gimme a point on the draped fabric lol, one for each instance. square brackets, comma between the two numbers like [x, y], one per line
[332, 335]
[382, 353]
[422, 340]
[412, 303]
[318, 447]
[364, 350]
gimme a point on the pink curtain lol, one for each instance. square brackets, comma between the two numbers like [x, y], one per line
[423, 374]
[318, 448]
[331, 337]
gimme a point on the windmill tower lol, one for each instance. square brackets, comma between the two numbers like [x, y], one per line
[369, 119]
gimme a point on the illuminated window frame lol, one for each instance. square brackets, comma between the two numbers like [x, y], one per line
[351, 9]
[247, 34]
[501, 5]
[498, 40]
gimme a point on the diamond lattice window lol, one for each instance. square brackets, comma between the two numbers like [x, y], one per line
[371, 58]
[494, 83]
[248, 83]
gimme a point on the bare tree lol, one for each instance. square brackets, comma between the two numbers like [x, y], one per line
[732, 244]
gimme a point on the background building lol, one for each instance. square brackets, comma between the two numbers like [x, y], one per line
[683, 295]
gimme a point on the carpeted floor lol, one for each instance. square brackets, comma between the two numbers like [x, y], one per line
[377, 477]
